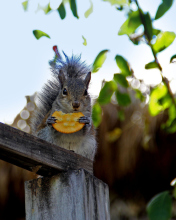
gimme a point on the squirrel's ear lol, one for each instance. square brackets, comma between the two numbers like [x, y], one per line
[87, 79]
[61, 77]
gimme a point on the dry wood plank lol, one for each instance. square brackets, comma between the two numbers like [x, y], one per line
[72, 195]
[37, 155]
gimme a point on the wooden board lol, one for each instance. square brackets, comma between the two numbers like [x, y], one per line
[72, 195]
[37, 155]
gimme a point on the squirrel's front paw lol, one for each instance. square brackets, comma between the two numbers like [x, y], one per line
[84, 119]
[51, 120]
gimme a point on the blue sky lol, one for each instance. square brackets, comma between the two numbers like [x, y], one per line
[24, 60]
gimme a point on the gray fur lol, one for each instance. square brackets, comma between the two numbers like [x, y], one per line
[74, 76]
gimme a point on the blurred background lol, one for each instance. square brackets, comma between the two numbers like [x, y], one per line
[135, 157]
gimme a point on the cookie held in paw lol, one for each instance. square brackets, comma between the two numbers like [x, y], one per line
[67, 123]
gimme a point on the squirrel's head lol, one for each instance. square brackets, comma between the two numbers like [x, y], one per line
[73, 95]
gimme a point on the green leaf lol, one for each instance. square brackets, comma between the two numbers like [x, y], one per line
[61, 10]
[38, 34]
[164, 39]
[85, 42]
[160, 207]
[170, 125]
[46, 8]
[163, 8]
[121, 115]
[172, 59]
[159, 100]
[73, 7]
[151, 65]
[89, 11]
[131, 24]
[117, 2]
[148, 26]
[99, 60]
[119, 78]
[139, 95]
[156, 32]
[123, 65]
[25, 5]
[106, 92]
[123, 99]
[96, 114]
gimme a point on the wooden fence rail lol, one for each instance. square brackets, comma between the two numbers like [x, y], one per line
[67, 189]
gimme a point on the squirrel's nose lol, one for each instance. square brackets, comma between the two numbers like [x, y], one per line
[75, 104]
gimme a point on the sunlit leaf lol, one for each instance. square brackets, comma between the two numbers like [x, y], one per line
[151, 65]
[113, 135]
[170, 125]
[85, 42]
[173, 59]
[61, 10]
[156, 31]
[89, 11]
[38, 34]
[164, 39]
[46, 8]
[25, 5]
[131, 24]
[73, 7]
[159, 100]
[160, 207]
[120, 78]
[139, 95]
[117, 2]
[123, 65]
[123, 99]
[96, 114]
[163, 8]
[148, 26]
[106, 92]
[99, 60]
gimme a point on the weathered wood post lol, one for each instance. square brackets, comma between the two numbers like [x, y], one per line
[67, 189]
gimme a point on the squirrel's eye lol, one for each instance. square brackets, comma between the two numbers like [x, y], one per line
[64, 91]
[85, 92]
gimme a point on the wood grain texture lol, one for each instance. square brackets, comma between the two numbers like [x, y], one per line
[72, 195]
[37, 155]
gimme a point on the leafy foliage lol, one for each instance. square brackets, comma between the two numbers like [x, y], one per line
[159, 100]
[89, 11]
[106, 92]
[61, 11]
[159, 208]
[96, 114]
[120, 78]
[123, 65]
[85, 42]
[99, 60]
[38, 34]
[151, 65]
[163, 8]
[131, 24]
[164, 39]
[25, 5]
[73, 7]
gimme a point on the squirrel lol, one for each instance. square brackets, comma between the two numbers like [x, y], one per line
[67, 91]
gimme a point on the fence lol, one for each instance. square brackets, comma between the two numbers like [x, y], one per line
[66, 188]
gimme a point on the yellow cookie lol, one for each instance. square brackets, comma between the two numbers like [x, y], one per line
[67, 123]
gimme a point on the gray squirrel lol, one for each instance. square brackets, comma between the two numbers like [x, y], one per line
[67, 91]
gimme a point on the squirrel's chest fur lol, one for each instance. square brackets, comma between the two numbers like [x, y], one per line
[79, 143]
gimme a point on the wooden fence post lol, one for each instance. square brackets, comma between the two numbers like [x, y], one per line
[71, 195]
[67, 189]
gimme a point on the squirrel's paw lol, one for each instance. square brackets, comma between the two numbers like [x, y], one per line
[84, 119]
[51, 120]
